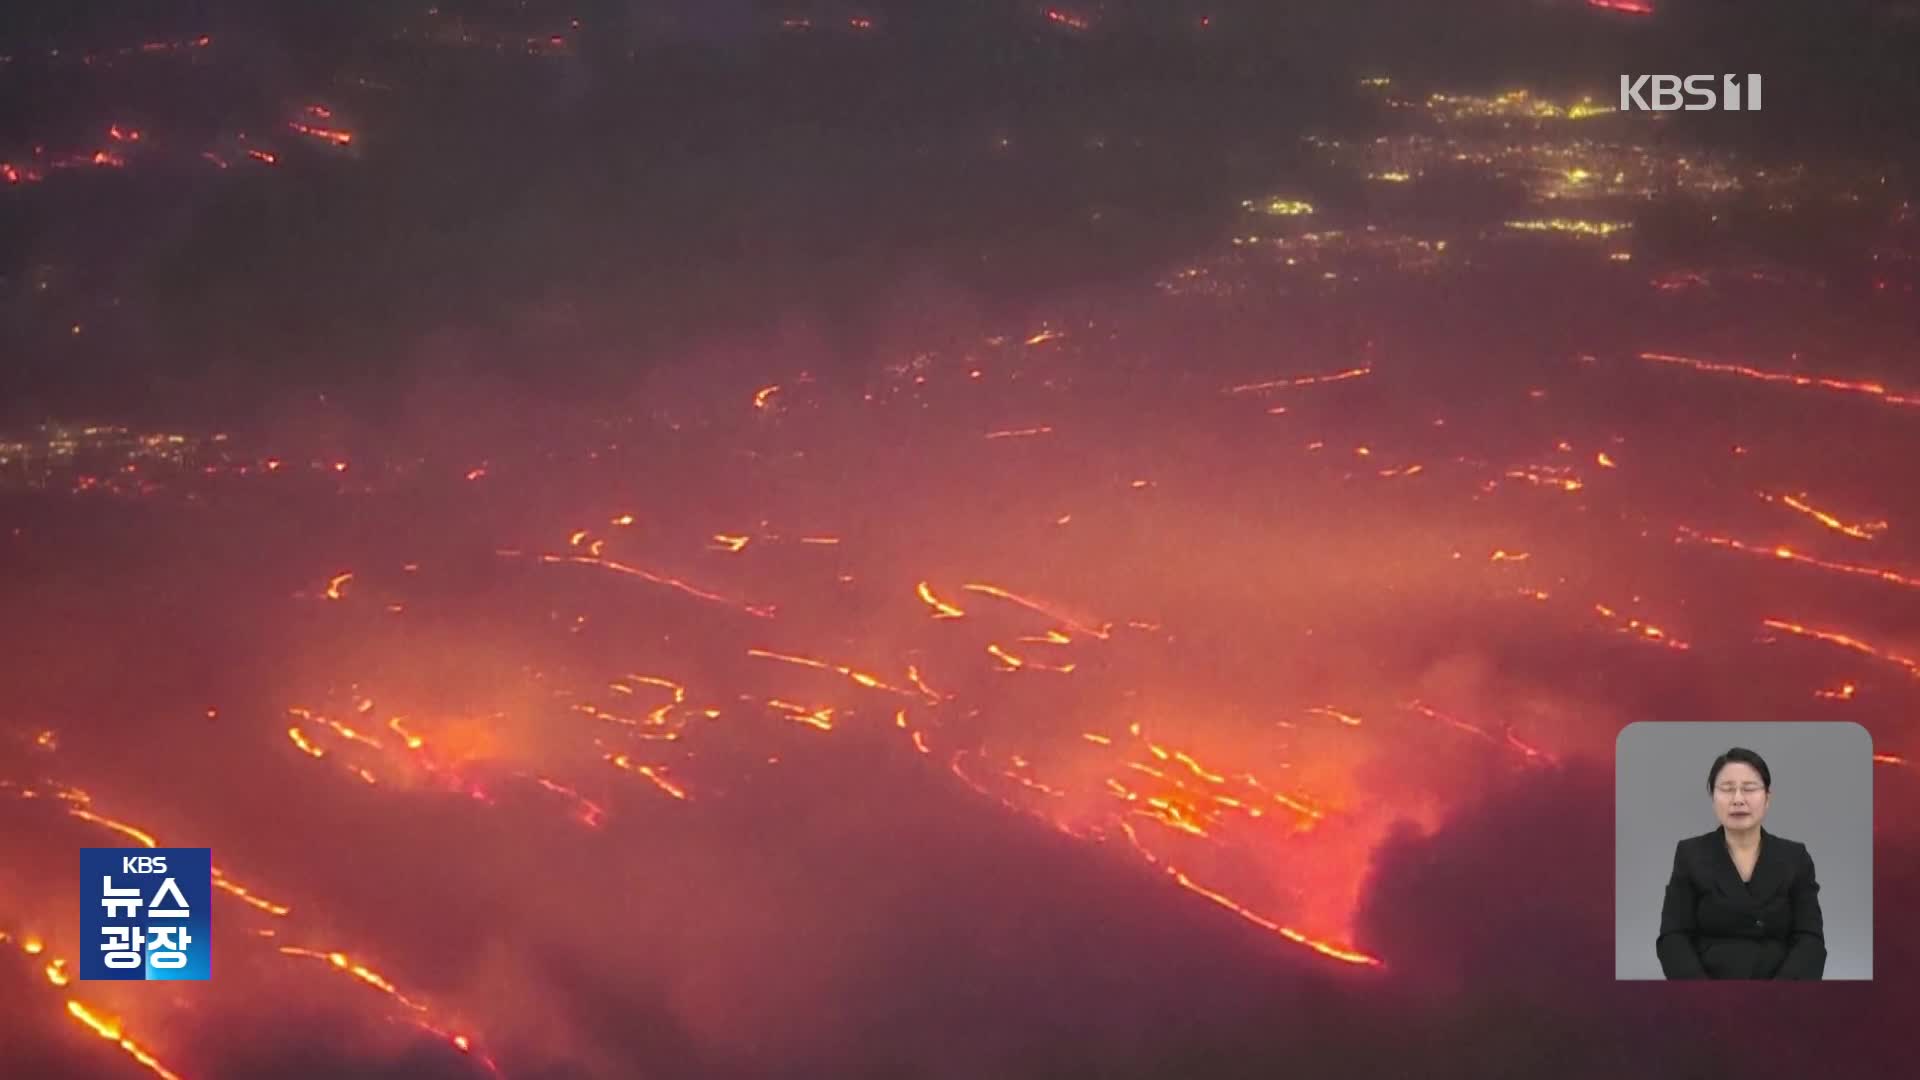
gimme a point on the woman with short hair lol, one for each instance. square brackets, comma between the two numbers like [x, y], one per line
[1742, 902]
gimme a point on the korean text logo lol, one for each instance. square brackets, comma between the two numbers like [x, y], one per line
[1664, 93]
[144, 913]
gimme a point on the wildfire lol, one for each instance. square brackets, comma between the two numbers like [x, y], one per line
[1284, 575]
[1530, 753]
[300, 740]
[1910, 665]
[228, 886]
[653, 773]
[1102, 632]
[1640, 630]
[1324, 948]
[1069, 20]
[1862, 531]
[861, 678]
[342, 962]
[667, 581]
[1347, 956]
[586, 811]
[913, 676]
[138, 836]
[110, 1031]
[819, 717]
[336, 136]
[1547, 476]
[1300, 380]
[1817, 382]
[1787, 554]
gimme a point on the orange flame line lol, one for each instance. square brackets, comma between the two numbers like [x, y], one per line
[342, 962]
[1844, 641]
[1348, 956]
[941, 609]
[110, 1031]
[1865, 531]
[1300, 380]
[1892, 577]
[862, 678]
[1101, 632]
[657, 579]
[143, 839]
[1874, 390]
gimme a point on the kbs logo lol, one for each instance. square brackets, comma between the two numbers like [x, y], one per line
[1663, 93]
[143, 913]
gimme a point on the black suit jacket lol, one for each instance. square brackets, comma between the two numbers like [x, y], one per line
[1715, 926]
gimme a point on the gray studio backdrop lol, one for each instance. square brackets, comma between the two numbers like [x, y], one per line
[1822, 797]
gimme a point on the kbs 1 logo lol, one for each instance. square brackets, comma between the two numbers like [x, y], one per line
[144, 913]
[1662, 93]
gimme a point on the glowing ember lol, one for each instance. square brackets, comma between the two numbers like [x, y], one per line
[335, 136]
[1300, 380]
[1068, 20]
